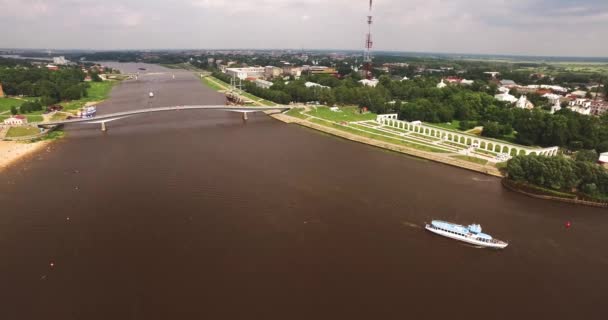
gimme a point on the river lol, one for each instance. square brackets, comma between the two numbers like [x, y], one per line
[200, 215]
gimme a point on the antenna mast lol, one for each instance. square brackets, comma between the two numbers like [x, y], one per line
[367, 55]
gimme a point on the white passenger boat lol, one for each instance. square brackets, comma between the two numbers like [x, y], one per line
[471, 234]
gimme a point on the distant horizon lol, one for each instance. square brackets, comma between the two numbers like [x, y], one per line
[540, 28]
[305, 50]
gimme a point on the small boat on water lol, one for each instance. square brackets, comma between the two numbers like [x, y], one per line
[471, 234]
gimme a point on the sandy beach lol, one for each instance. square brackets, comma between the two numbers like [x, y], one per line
[11, 151]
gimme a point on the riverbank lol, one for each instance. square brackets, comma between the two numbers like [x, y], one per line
[539, 193]
[433, 156]
[13, 151]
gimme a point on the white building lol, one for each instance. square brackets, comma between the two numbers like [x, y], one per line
[17, 120]
[582, 106]
[604, 158]
[60, 61]
[524, 103]
[263, 84]
[441, 84]
[503, 90]
[579, 93]
[466, 82]
[506, 97]
[552, 97]
[244, 73]
[369, 83]
[556, 107]
[315, 85]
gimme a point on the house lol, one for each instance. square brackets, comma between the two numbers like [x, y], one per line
[465, 82]
[552, 97]
[503, 90]
[493, 74]
[506, 97]
[263, 84]
[556, 107]
[582, 106]
[16, 120]
[524, 103]
[369, 83]
[52, 67]
[579, 93]
[508, 83]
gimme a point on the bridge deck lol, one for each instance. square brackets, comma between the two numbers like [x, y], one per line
[123, 114]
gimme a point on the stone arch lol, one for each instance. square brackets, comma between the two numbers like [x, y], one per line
[505, 149]
[522, 152]
[462, 140]
[490, 146]
[468, 141]
[483, 145]
[513, 152]
[497, 148]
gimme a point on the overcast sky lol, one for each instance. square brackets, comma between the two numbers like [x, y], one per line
[535, 27]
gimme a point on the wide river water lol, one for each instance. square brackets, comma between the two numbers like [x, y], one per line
[199, 215]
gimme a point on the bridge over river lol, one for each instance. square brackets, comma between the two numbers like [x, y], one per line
[103, 119]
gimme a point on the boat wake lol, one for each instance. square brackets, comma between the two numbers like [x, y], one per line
[411, 225]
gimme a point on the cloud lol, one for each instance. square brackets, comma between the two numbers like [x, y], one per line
[544, 27]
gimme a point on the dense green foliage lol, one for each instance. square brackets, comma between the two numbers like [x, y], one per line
[561, 174]
[51, 86]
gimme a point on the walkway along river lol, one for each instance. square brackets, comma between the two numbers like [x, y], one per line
[197, 214]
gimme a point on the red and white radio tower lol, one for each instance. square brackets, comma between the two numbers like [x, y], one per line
[367, 55]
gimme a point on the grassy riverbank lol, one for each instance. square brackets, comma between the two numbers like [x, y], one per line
[221, 86]
[97, 92]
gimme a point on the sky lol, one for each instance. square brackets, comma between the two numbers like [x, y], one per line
[521, 27]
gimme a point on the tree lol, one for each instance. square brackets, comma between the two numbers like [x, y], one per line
[14, 110]
[491, 130]
[587, 155]
[95, 77]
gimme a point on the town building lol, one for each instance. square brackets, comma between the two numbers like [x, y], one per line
[319, 70]
[52, 67]
[493, 74]
[506, 97]
[579, 93]
[557, 106]
[60, 61]
[552, 97]
[271, 72]
[292, 71]
[16, 120]
[599, 107]
[524, 103]
[582, 106]
[369, 83]
[263, 84]
[508, 83]
[244, 73]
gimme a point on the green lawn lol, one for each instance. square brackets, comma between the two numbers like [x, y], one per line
[33, 118]
[296, 112]
[7, 103]
[454, 125]
[347, 114]
[97, 92]
[209, 83]
[472, 159]
[378, 135]
[14, 132]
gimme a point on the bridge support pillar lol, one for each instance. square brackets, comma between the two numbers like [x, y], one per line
[245, 116]
[103, 127]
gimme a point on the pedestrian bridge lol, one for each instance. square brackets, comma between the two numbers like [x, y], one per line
[102, 119]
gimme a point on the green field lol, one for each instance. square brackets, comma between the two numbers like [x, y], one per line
[296, 112]
[454, 125]
[98, 91]
[33, 117]
[14, 132]
[7, 103]
[347, 114]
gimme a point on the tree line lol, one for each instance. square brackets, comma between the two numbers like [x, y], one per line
[561, 174]
[66, 83]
